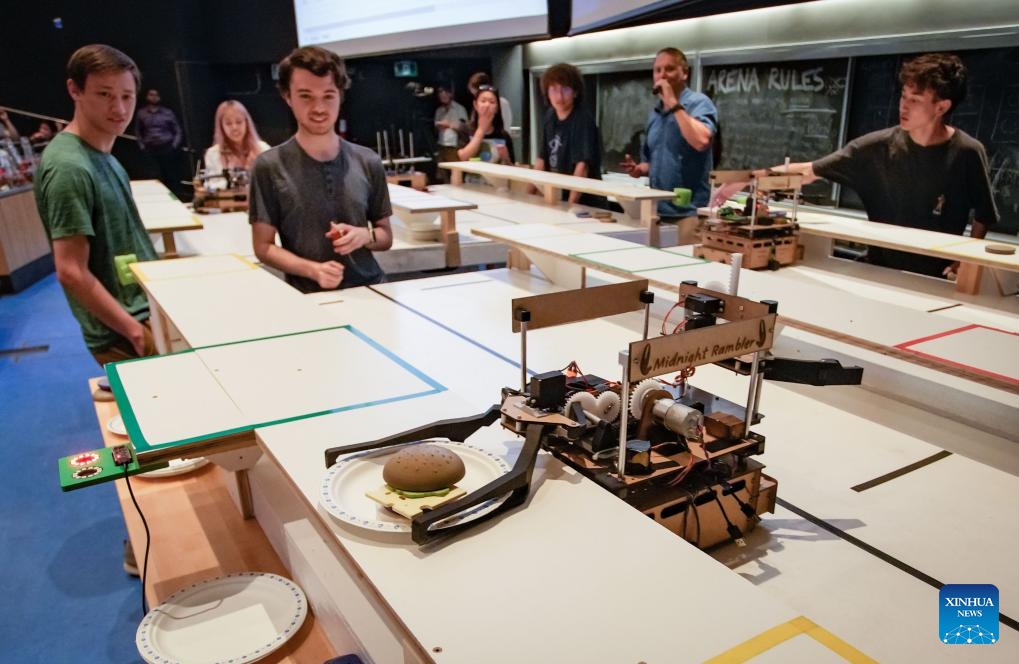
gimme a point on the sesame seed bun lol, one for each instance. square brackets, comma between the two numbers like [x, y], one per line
[423, 468]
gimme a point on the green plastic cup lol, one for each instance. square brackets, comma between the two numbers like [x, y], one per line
[683, 197]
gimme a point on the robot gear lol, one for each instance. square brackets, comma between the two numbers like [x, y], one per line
[609, 406]
[639, 392]
[587, 402]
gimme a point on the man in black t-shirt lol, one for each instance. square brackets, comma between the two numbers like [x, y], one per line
[571, 143]
[922, 173]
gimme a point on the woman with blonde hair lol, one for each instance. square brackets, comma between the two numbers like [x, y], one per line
[235, 140]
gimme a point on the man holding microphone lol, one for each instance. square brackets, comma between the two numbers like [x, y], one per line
[677, 149]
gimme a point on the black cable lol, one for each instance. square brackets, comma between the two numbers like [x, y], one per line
[145, 565]
[744, 507]
[697, 517]
[734, 533]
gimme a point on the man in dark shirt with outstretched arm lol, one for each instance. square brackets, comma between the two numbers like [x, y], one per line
[923, 173]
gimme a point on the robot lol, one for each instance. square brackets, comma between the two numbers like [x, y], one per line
[679, 454]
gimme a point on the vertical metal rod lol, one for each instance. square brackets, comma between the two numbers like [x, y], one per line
[753, 203]
[624, 415]
[647, 318]
[757, 395]
[735, 263]
[523, 356]
[752, 393]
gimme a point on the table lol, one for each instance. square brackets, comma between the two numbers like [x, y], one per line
[25, 255]
[639, 202]
[161, 212]
[394, 577]
[863, 330]
[816, 224]
[970, 252]
[417, 211]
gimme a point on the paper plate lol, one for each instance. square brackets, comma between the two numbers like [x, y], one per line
[177, 467]
[345, 483]
[116, 425]
[236, 618]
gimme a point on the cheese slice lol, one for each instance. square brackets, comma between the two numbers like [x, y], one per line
[411, 507]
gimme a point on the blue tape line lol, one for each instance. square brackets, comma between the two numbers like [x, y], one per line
[431, 320]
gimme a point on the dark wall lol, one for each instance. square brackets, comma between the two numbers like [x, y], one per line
[200, 53]
[226, 41]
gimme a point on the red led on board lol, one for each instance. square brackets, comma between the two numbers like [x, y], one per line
[84, 459]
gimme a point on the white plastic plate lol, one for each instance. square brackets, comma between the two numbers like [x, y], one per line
[235, 618]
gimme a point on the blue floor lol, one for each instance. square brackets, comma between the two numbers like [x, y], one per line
[65, 595]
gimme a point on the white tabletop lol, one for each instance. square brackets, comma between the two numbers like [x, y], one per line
[211, 309]
[542, 573]
[815, 304]
[619, 190]
[414, 201]
[160, 210]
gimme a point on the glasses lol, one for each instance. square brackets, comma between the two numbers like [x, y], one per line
[486, 88]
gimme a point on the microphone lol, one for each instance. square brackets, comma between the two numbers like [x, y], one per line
[657, 90]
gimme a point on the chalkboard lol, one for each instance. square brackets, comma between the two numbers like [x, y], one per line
[990, 113]
[624, 100]
[770, 111]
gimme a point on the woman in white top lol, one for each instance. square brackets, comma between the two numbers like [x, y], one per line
[235, 141]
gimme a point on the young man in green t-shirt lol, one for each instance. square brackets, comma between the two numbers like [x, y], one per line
[84, 199]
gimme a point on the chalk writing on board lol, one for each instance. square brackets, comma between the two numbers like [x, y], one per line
[770, 111]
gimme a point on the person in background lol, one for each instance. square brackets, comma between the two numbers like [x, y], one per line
[159, 135]
[474, 84]
[677, 150]
[7, 129]
[489, 139]
[327, 198]
[451, 124]
[570, 143]
[84, 199]
[235, 140]
[43, 135]
[922, 173]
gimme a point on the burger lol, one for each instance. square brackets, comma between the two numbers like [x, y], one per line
[419, 477]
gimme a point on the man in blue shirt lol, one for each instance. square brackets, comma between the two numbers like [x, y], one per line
[677, 150]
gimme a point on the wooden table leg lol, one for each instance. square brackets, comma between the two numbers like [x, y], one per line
[968, 279]
[169, 245]
[457, 177]
[649, 220]
[247, 507]
[160, 328]
[450, 238]
[517, 260]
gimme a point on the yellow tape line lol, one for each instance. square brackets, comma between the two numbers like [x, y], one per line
[142, 276]
[767, 640]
